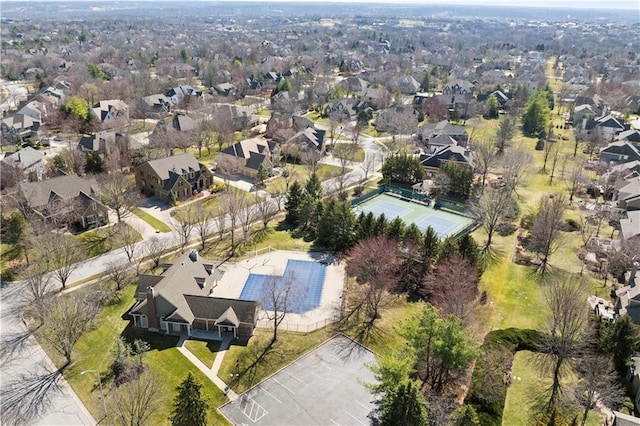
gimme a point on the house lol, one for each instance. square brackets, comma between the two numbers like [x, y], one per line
[407, 85]
[628, 297]
[346, 108]
[183, 94]
[178, 302]
[158, 104]
[619, 152]
[239, 116]
[631, 135]
[224, 89]
[430, 131]
[106, 143]
[248, 155]
[308, 139]
[607, 125]
[28, 161]
[65, 196]
[626, 193]
[630, 227]
[173, 178]
[184, 123]
[111, 113]
[458, 87]
[289, 101]
[184, 70]
[450, 153]
[19, 127]
[353, 84]
[504, 102]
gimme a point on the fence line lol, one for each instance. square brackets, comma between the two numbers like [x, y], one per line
[300, 328]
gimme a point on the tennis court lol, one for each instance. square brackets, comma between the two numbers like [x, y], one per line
[307, 284]
[324, 387]
[442, 222]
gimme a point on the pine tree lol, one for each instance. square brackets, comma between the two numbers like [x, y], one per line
[404, 406]
[189, 406]
[292, 205]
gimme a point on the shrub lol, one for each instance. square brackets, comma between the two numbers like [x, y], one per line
[539, 145]
[570, 225]
[218, 187]
[506, 228]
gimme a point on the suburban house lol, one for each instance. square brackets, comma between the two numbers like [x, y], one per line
[608, 126]
[290, 101]
[458, 87]
[346, 108]
[626, 193]
[619, 152]
[630, 227]
[407, 85]
[28, 161]
[182, 93]
[173, 178]
[240, 117]
[628, 297]
[224, 89]
[156, 105]
[246, 156]
[430, 131]
[106, 143]
[65, 196]
[111, 113]
[178, 302]
[18, 127]
[449, 153]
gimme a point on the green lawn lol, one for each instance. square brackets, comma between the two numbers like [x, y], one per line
[521, 402]
[155, 223]
[357, 155]
[204, 350]
[100, 241]
[93, 352]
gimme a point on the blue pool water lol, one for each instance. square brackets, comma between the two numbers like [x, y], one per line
[307, 279]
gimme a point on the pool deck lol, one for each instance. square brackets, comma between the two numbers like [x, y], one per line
[274, 263]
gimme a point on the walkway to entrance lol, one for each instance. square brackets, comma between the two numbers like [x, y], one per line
[211, 373]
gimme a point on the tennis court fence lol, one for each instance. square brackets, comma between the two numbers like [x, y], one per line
[299, 328]
[392, 190]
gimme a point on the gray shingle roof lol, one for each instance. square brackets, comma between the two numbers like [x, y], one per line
[182, 163]
[65, 187]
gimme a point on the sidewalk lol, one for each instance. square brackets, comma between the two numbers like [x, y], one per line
[211, 373]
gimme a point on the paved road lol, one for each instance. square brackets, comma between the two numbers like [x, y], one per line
[29, 361]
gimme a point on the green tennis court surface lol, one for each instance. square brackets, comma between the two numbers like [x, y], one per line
[442, 222]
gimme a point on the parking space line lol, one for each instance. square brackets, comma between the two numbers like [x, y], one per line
[295, 378]
[272, 395]
[278, 382]
[362, 405]
[354, 418]
[334, 422]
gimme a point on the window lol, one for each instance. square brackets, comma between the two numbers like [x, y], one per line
[93, 206]
[143, 321]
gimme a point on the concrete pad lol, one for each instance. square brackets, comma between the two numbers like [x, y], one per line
[323, 387]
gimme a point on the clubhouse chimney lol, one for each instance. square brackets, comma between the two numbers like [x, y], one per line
[152, 317]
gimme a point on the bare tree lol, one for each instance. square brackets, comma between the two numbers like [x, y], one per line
[202, 216]
[119, 192]
[37, 291]
[599, 384]
[133, 403]
[516, 165]
[119, 274]
[128, 237]
[486, 158]
[233, 203]
[265, 210]
[564, 337]
[344, 153]
[545, 232]
[66, 319]
[247, 215]
[459, 295]
[576, 181]
[494, 206]
[183, 224]
[375, 277]
[62, 255]
[555, 155]
[311, 158]
[154, 249]
[226, 167]
[336, 126]
[280, 293]
[368, 165]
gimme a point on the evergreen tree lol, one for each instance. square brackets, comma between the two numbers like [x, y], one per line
[448, 247]
[492, 106]
[431, 244]
[468, 248]
[412, 235]
[620, 340]
[380, 225]
[94, 164]
[336, 227]
[535, 116]
[314, 187]
[262, 174]
[365, 225]
[189, 406]
[465, 415]
[395, 229]
[404, 406]
[292, 206]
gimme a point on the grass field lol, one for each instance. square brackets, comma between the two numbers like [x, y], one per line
[155, 223]
[204, 350]
[526, 390]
